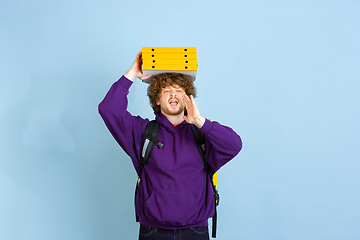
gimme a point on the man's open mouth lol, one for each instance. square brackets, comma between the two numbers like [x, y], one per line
[173, 103]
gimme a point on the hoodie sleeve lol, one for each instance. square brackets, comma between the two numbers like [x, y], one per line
[125, 128]
[222, 144]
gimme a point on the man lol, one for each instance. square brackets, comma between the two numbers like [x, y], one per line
[175, 196]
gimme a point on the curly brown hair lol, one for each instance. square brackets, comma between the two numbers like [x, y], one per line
[162, 80]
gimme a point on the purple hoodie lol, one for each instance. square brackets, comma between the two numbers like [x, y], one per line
[175, 191]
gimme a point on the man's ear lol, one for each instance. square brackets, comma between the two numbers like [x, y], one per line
[158, 99]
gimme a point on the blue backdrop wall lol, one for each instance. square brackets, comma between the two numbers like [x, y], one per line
[283, 74]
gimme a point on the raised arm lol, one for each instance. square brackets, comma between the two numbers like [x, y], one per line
[125, 128]
[222, 143]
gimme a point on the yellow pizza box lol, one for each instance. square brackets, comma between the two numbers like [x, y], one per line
[174, 67]
[169, 49]
[168, 55]
[170, 61]
[158, 60]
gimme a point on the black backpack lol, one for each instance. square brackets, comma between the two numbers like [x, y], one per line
[150, 140]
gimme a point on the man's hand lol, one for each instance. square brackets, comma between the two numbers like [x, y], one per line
[135, 70]
[193, 114]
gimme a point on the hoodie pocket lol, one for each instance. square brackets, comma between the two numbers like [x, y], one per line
[171, 207]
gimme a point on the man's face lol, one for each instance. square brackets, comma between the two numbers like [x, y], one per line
[170, 100]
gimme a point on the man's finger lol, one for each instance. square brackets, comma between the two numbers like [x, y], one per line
[185, 102]
[187, 99]
[192, 99]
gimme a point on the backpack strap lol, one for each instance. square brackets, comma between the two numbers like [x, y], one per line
[200, 142]
[149, 141]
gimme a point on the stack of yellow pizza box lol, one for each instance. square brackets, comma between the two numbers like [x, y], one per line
[169, 59]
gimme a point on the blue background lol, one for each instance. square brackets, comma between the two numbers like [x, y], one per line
[283, 74]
